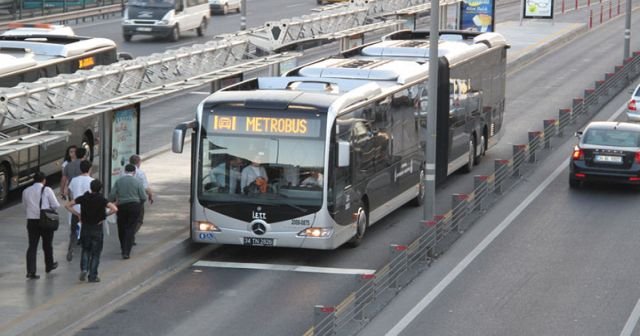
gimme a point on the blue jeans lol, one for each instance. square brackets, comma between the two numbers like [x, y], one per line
[91, 250]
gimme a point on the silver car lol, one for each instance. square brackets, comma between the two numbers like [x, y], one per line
[633, 107]
[225, 6]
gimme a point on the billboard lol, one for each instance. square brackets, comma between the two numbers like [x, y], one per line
[478, 15]
[538, 9]
[125, 123]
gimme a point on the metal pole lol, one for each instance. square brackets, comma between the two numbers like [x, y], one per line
[430, 136]
[243, 16]
[627, 31]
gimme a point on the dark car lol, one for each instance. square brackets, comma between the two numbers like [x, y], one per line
[608, 152]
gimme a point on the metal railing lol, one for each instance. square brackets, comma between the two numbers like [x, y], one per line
[374, 291]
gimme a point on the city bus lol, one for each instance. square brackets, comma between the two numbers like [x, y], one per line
[353, 125]
[32, 145]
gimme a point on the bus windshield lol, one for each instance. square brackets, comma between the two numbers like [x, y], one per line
[262, 160]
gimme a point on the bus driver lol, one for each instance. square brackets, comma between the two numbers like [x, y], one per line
[254, 176]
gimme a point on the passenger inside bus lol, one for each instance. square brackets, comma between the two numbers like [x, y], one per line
[254, 177]
[227, 175]
[314, 180]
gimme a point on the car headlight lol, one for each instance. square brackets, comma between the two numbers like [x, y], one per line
[168, 18]
[315, 232]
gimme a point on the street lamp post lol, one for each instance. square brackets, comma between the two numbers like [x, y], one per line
[243, 16]
[627, 30]
[430, 136]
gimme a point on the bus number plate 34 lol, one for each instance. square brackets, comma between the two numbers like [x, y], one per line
[253, 241]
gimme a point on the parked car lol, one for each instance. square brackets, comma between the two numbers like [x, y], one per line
[608, 152]
[633, 107]
[224, 6]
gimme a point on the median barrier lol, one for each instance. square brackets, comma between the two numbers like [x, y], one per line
[406, 262]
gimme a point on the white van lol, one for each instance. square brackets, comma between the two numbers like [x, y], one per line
[224, 6]
[165, 18]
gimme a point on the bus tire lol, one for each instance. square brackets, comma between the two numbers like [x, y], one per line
[127, 37]
[471, 157]
[419, 200]
[202, 28]
[362, 222]
[4, 185]
[482, 148]
[174, 36]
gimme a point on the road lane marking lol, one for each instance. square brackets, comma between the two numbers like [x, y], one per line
[462, 265]
[276, 267]
[200, 93]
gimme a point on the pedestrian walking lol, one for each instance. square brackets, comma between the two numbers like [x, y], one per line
[69, 155]
[39, 196]
[129, 194]
[78, 186]
[70, 171]
[92, 213]
[142, 177]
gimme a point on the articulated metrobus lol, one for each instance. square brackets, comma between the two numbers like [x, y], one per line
[28, 146]
[311, 159]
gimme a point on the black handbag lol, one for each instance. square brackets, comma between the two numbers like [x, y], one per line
[49, 219]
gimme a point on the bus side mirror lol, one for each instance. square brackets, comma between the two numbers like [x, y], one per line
[177, 140]
[343, 153]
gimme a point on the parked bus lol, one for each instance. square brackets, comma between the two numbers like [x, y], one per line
[313, 158]
[30, 146]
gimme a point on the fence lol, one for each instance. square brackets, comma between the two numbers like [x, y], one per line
[374, 291]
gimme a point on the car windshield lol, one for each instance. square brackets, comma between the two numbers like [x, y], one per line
[154, 3]
[611, 137]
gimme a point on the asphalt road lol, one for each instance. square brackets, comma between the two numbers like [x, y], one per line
[205, 300]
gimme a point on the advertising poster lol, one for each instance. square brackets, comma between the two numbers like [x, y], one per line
[477, 15]
[124, 139]
[538, 9]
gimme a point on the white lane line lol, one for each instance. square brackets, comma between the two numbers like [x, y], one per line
[289, 268]
[448, 279]
[200, 93]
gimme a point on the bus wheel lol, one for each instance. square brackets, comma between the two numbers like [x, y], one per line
[481, 150]
[419, 200]
[175, 34]
[472, 156]
[4, 185]
[127, 37]
[201, 29]
[361, 222]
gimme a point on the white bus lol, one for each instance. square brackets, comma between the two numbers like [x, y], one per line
[338, 143]
[39, 144]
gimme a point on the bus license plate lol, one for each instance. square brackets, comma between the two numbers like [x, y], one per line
[144, 29]
[608, 158]
[253, 241]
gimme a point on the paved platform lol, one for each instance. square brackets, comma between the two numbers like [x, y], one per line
[57, 300]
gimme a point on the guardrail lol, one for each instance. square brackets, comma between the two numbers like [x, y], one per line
[374, 291]
[66, 16]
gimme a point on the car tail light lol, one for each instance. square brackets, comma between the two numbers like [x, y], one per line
[637, 157]
[578, 154]
[632, 105]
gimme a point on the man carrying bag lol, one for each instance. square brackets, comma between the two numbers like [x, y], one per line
[35, 198]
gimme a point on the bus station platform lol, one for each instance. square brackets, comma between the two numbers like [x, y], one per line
[56, 303]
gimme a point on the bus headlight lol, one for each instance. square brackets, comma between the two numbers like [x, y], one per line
[206, 226]
[315, 232]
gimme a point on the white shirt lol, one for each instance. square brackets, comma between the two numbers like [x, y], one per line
[78, 186]
[250, 173]
[31, 200]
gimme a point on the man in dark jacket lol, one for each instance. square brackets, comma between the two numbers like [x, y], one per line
[92, 214]
[128, 193]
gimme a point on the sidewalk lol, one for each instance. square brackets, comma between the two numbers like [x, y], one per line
[56, 300]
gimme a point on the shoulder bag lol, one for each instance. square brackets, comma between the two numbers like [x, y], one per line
[48, 217]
